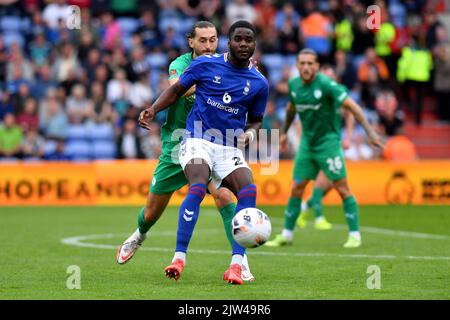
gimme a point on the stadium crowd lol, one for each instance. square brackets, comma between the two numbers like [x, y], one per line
[75, 93]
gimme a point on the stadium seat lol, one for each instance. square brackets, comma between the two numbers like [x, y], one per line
[273, 61]
[10, 24]
[157, 60]
[50, 146]
[79, 150]
[104, 150]
[13, 37]
[128, 25]
[77, 132]
[101, 131]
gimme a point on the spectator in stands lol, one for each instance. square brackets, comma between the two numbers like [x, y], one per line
[53, 121]
[59, 153]
[287, 12]
[442, 80]
[363, 39]
[151, 142]
[18, 67]
[265, 13]
[359, 149]
[43, 82]
[11, 137]
[414, 72]
[138, 64]
[79, 108]
[317, 31]
[28, 119]
[240, 10]
[6, 105]
[269, 41]
[345, 70]
[3, 61]
[20, 97]
[129, 142]
[148, 30]
[140, 92]
[56, 11]
[103, 110]
[118, 92]
[290, 37]
[390, 121]
[66, 64]
[271, 120]
[85, 46]
[33, 145]
[39, 50]
[384, 38]
[110, 30]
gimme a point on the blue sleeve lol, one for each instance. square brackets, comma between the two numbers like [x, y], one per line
[192, 74]
[261, 98]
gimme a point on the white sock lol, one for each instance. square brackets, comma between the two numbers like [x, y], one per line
[319, 219]
[288, 234]
[179, 255]
[236, 258]
[139, 235]
[355, 234]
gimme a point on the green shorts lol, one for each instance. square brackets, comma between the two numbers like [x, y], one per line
[328, 157]
[168, 176]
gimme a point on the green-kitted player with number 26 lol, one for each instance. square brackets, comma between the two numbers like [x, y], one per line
[317, 98]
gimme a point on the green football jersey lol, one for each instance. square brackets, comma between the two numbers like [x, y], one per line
[318, 105]
[178, 112]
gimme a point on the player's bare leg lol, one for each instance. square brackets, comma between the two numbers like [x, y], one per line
[155, 206]
[290, 215]
[321, 187]
[227, 208]
[351, 213]
[240, 182]
[197, 173]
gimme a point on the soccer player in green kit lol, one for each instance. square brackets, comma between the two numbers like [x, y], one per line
[313, 96]
[169, 176]
[322, 185]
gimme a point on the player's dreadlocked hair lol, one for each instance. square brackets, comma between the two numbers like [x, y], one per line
[240, 24]
[200, 24]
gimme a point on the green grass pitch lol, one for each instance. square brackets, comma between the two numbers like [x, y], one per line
[409, 244]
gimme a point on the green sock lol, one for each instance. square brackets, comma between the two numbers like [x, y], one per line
[351, 213]
[227, 214]
[292, 212]
[310, 202]
[316, 200]
[143, 225]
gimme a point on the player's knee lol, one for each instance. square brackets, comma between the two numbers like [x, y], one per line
[343, 190]
[297, 189]
[222, 197]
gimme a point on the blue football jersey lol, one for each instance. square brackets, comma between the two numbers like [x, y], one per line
[224, 96]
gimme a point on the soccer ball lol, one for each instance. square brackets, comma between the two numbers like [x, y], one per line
[251, 227]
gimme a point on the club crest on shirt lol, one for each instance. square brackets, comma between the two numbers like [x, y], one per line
[317, 94]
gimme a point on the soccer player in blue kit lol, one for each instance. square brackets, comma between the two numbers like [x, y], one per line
[231, 97]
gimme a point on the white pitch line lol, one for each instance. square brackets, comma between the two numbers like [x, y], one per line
[78, 241]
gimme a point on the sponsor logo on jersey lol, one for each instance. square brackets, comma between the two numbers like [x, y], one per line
[220, 106]
[303, 107]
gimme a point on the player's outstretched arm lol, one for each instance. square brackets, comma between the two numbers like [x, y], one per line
[290, 116]
[165, 99]
[358, 113]
[349, 126]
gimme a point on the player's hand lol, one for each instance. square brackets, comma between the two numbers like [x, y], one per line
[375, 140]
[243, 140]
[145, 117]
[283, 143]
[346, 143]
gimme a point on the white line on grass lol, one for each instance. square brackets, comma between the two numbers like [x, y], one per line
[79, 242]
